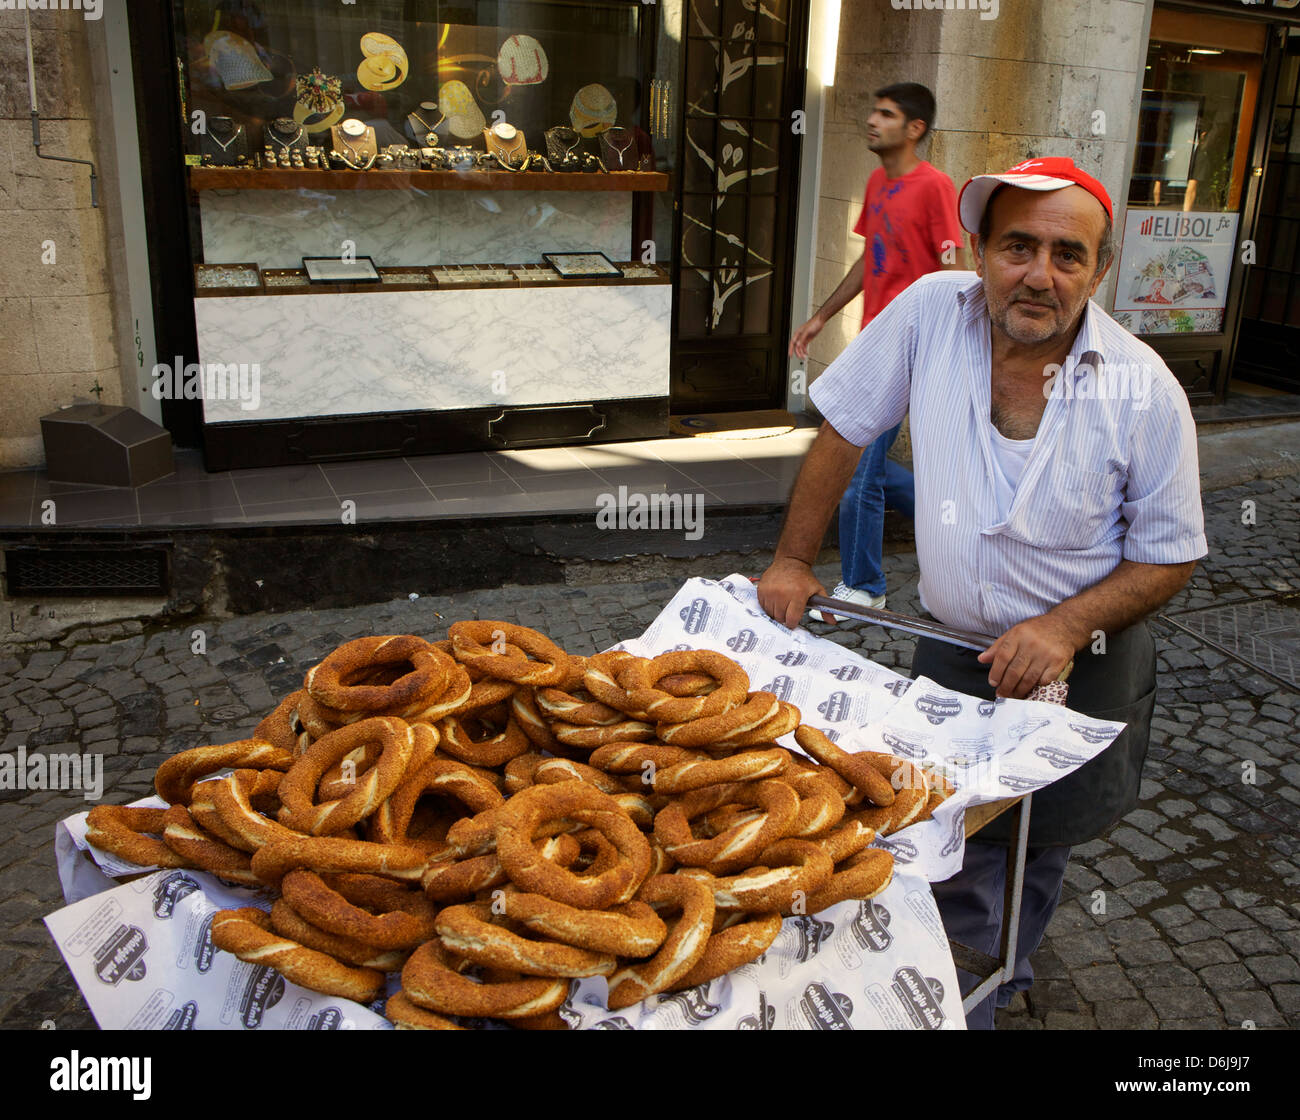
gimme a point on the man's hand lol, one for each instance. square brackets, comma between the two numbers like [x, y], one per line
[805, 334]
[1031, 653]
[785, 589]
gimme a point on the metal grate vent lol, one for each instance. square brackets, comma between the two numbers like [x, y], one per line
[86, 571]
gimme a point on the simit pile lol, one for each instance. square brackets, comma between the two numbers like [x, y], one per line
[493, 817]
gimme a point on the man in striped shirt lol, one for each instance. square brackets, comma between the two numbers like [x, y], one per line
[1058, 503]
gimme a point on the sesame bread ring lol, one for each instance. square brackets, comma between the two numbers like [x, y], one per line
[608, 679]
[261, 788]
[748, 766]
[734, 849]
[431, 979]
[545, 663]
[488, 749]
[640, 808]
[461, 880]
[333, 682]
[552, 1021]
[847, 840]
[553, 770]
[407, 1016]
[687, 684]
[688, 937]
[282, 728]
[248, 935]
[521, 770]
[472, 931]
[175, 778]
[523, 706]
[867, 875]
[941, 788]
[631, 758]
[376, 911]
[730, 948]
[660, 861]
[531, 871]
[785, 872]
[204, 813]
[203, 850]
[331, 854]
[913, 792]
[846, 790]
[451, 702]
[556, 704]
[861, 770]
[574, 674]
[486, 693]
[663, 707]
[758, 709]
[298, 788]
[134, 835]
[904, 811]
[821, 807]
[341, 779]
[242, 826]
[626, 731]
[785, 721]
[391, 822]
[477, 835]
[630, 930]
[314, 718]
[717, 821]
[287, 922]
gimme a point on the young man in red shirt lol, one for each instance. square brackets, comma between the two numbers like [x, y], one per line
[909, 219]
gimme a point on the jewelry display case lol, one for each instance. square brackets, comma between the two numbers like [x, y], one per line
[454, 145]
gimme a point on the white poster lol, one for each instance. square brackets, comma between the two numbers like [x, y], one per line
[1171, 260]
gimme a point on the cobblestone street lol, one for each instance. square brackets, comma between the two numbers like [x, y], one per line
[1185, 915]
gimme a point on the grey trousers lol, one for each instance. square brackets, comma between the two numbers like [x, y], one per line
[970, 904]
[1118, 686]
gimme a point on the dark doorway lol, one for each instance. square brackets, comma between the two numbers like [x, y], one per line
[1269, 348]
[744, 82]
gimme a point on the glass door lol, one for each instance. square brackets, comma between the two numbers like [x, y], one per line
[1177, 276]
[1269, 351]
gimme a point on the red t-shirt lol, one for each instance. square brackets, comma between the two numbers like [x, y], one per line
[906, 222]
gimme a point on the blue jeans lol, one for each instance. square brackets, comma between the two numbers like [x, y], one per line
[877, 481]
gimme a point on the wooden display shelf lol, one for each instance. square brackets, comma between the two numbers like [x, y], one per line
[238, 178]
[980, 815]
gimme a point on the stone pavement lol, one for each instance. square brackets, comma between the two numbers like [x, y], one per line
[1200, 925]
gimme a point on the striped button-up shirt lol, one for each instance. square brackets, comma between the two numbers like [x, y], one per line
[1112, 475]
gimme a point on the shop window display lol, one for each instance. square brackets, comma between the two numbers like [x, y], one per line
[454, 148]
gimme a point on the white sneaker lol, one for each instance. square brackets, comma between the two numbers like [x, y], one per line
[849, 595]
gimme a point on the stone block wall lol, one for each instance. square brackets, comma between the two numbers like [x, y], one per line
[1027, 82]
[57, 333]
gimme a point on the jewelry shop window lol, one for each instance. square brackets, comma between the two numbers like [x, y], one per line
[409, 207]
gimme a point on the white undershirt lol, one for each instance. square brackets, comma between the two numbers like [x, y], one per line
[1009, 459]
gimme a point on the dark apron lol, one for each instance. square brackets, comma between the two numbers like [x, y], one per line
[1118, 686]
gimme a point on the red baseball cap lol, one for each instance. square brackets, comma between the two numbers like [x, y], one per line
[1039, 174]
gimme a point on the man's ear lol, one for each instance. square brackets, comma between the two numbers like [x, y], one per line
[1096, 283]
[915, 130]
[976, 255]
